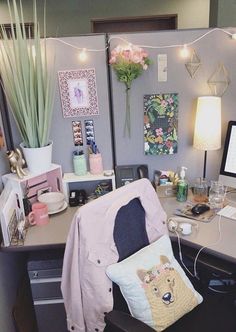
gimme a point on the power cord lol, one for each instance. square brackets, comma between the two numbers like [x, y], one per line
[195, 274]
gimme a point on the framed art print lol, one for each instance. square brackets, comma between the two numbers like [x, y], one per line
[161, 123]
[78, 92]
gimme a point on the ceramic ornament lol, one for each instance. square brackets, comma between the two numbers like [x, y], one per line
[194, 64]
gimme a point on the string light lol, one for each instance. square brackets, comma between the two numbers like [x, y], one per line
[184, 48]
[83, 55]
[184, 52]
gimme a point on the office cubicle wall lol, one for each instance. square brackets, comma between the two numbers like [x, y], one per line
[66, 59]
[215, 48]
[212, 50]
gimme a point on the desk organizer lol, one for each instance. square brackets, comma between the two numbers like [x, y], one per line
[95, 163]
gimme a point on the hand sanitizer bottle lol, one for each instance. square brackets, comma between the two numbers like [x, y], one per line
[182, 187]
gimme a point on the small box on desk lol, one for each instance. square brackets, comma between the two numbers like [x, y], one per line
[28, 188]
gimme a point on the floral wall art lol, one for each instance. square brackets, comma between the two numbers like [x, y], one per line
[161, 123]
[78, 92]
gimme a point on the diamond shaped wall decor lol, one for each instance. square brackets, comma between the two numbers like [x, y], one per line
[219, 81]
[194, 64]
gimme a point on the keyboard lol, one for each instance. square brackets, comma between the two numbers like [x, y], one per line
[228, 212]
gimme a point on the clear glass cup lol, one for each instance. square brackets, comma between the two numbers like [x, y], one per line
[200, 190]
[216, 195]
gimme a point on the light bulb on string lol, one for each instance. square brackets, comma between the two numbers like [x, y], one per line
[184, 52]
[233, 36]
[83, 55]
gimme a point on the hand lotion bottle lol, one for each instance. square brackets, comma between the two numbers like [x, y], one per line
[182, 186]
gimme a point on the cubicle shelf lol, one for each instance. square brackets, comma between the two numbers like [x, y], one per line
[71, 178]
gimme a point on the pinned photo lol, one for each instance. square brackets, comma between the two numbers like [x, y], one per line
[77, 133]
[89, 130]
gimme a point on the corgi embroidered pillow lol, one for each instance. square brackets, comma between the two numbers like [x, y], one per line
[154, 285]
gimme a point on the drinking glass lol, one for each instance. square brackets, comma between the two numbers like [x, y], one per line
[216, 195]
[200, 190]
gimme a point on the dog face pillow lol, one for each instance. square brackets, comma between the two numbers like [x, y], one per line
[166, 292]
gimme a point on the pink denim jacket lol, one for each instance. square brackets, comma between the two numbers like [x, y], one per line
[90, 248]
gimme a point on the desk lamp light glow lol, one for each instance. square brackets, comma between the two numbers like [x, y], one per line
[207, 132]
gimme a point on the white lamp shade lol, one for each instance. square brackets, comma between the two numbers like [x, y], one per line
[207, 132]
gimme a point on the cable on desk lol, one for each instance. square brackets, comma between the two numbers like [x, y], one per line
[194, 274]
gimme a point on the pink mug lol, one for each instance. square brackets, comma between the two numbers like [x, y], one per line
[39, 215]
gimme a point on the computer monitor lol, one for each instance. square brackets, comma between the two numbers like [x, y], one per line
[228, 165]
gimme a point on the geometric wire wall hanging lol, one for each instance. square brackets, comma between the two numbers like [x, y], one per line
[194, 64]
[219, 81]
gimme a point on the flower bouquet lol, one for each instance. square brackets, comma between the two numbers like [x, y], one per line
[128, 63]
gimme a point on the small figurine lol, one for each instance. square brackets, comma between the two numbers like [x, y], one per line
[16, 162]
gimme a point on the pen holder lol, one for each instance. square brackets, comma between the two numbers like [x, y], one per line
[79, 163]
[95, 163]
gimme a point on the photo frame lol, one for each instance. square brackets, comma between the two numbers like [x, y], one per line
[78, 92]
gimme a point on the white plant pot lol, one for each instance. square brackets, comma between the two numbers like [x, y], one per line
[38, 160]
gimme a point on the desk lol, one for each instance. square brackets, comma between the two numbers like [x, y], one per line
[52, 235]
[207, 233]
[55, 233]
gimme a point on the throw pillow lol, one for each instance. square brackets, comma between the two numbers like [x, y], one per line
[154, 285]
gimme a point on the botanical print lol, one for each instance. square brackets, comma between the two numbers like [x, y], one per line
[161, 123]
[78, 92]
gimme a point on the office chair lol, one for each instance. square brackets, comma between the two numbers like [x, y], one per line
[216, 313]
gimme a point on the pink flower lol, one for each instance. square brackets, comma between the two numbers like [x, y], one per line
[126, 54]
[164, 103]
[169, 144]
[159, 132]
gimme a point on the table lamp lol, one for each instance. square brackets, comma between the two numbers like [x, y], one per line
[207, 131]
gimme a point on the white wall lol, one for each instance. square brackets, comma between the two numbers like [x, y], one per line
[226, 13]
[72, 17]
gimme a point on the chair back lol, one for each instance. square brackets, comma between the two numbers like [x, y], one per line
[129, 236]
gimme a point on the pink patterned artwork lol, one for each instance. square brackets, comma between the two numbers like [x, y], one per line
[78, 92]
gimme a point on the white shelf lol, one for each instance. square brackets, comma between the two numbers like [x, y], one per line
[72, 178]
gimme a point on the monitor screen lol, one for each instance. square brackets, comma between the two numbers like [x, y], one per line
[228, 164]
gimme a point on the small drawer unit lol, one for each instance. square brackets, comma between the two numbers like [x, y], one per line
[45, 270]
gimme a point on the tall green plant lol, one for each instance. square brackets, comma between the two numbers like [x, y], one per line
[26, 77]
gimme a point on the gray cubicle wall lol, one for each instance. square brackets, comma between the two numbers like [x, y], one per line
[213, 49]
[66, 58]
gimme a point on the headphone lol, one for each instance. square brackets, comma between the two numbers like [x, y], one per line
[181, 225]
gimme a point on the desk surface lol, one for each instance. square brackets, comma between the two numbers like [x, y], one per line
[55, 233]
[218, 235]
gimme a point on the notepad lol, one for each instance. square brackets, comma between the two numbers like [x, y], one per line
[228, 212]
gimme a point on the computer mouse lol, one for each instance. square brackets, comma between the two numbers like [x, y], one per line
[199, 209]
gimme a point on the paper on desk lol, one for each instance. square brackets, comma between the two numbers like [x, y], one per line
[228, 212]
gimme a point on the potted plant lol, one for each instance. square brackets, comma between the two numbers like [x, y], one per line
[28, 85]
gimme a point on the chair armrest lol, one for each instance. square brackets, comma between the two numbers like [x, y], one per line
[123, 322]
